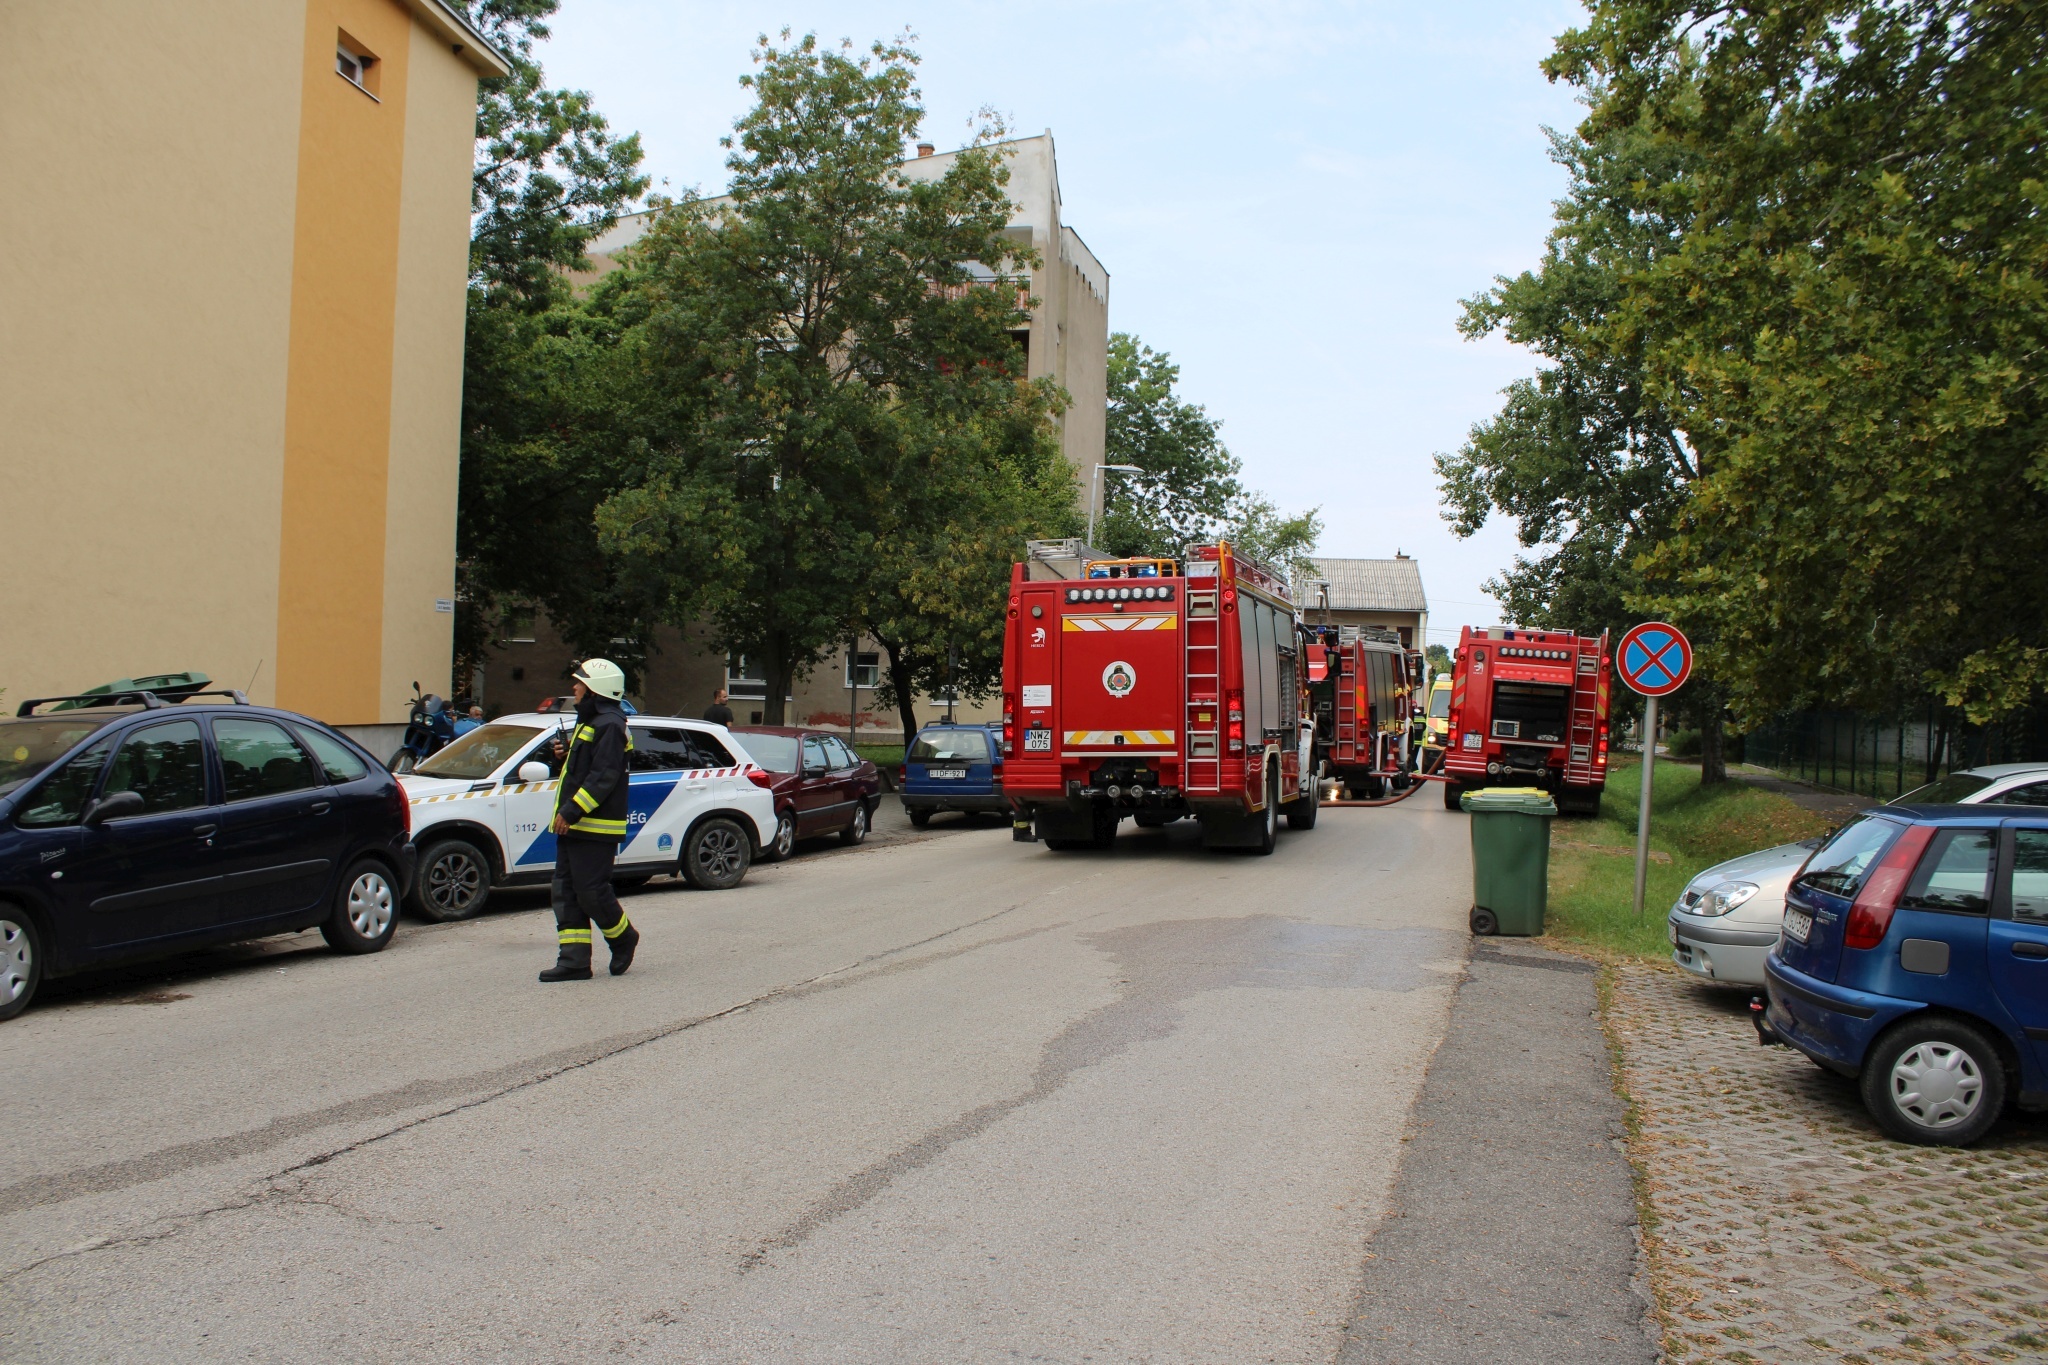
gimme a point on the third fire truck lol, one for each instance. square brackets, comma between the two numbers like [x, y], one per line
[1365, 693]
[1153, 689]
[1529, 709]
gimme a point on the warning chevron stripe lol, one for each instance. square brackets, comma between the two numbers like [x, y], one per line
[1166, 621]
[1148, 738]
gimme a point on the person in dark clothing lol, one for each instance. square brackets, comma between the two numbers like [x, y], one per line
[718, 713]
[590, 823]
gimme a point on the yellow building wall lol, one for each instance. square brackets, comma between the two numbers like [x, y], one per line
[426, 377]
[337, 447]
[231, 313]
[150, 163]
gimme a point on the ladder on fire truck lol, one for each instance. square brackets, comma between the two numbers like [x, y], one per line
[1586, 706]
[1204, 698]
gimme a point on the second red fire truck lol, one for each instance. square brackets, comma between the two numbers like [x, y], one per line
[1155, 690]
[1529, 709]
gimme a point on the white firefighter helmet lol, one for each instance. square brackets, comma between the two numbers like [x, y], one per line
[603, 677]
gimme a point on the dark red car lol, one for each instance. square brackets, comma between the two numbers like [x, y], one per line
[820, 785]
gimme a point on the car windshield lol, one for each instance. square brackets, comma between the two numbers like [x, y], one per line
[776, 753]
[954, 746]
[1839, 865]
[33, 743]
[479, 753]
[1440, 704]
[1954, 788]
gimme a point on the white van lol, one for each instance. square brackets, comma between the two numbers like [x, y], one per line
[482, 807]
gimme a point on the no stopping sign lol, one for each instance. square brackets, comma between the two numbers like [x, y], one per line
[1654, 659]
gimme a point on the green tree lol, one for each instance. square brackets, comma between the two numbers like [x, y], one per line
[1850, 331]
[549, 176]
[1190, 492]
[800, 341]
[1591, 466]
[976, 485]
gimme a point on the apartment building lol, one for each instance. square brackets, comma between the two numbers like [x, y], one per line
[231, 353]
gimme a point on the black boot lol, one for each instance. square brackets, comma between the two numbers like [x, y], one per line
[622, 950]
[572, 963]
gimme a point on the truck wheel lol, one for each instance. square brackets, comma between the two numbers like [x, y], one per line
[1269, 827]
[454, 881]
[1452, 791]
[1934, 1081]
[716, 855]
[1375, 788]
[1302, 814]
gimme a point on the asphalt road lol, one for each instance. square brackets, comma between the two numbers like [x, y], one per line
[942, 1098]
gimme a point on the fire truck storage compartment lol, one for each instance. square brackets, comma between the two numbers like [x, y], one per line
[1383, 679]
[1531, 713]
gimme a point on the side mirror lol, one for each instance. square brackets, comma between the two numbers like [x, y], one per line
[113, 806]
[814, 770]
[533, 770]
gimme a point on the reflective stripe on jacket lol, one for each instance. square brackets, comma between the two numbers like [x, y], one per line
[594, 786]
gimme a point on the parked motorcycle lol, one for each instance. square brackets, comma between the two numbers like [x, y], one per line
[428, 729]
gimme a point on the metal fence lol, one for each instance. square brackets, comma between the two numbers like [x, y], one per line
[1884, 757]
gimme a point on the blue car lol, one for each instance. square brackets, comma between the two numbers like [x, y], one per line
[1915, 959]
[953, 767]
[138, 829]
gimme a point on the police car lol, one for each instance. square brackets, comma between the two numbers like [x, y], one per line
[482, 809]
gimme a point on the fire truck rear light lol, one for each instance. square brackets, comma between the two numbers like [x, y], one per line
[1233, 712]
[1009, 723]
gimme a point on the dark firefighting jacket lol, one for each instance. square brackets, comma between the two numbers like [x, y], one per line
[594, 786]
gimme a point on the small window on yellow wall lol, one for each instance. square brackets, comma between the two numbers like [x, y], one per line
[356, 64]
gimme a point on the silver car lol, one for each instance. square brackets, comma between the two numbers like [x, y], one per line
[1726, 922]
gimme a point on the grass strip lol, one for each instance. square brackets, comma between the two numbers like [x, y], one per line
[1592, 862]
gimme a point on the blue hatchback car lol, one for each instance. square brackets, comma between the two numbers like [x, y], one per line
[953, 767]
[138, 830]
[1915, 958]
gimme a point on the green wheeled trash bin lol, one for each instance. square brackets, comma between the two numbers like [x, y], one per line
[1510, 858]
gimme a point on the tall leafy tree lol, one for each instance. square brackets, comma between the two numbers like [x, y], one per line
[1191, 492]
[549, 177]
[1850, 331]
[801, 338]
[1585, 457]
[977, 481]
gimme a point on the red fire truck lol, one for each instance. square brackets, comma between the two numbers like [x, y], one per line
[1529, 709]
[1365, 692]
[1154, 690]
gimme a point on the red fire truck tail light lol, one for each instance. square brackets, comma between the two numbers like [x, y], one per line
[1233, 719]
[1870, 918]
[1009, 723]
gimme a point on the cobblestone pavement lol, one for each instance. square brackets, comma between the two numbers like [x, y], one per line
[1784, 1227]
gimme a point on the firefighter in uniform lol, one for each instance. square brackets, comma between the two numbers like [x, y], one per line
[590, 823]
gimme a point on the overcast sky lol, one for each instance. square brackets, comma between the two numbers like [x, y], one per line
[1289, 198]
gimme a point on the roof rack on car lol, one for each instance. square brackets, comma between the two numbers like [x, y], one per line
[150, 700]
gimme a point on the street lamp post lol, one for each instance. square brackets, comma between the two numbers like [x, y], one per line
[1095, 492]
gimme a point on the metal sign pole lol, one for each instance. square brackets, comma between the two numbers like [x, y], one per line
[1643, 809]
